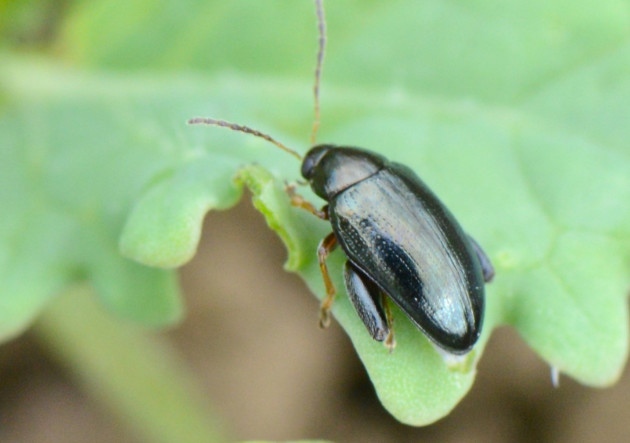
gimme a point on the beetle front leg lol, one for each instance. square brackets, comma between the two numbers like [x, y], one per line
[326, 246]
[300, 202]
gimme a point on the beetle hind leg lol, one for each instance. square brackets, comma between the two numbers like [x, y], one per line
[371, 305]
[390, 341]
[486, 265]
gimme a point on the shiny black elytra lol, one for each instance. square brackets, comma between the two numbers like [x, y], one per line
[402, 243]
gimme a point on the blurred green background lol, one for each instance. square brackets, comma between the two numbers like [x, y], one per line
[255, 362]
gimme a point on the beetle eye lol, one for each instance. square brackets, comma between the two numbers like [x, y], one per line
[307, 167]
[312, 159]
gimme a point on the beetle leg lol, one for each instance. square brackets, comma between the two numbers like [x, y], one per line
[326, 246]
[390, 341]
[301, 202]
[484, 261]
[368, 299]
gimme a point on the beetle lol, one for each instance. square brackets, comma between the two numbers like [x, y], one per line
[401, 241]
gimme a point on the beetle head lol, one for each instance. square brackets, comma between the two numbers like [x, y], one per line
[330, 169]
[312, 159]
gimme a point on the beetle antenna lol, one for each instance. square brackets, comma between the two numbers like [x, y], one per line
[242, 128]
[321, 27]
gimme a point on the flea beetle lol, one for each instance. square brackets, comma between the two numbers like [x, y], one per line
[401, 242]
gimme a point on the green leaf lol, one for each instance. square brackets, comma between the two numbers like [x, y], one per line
[513, 112]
